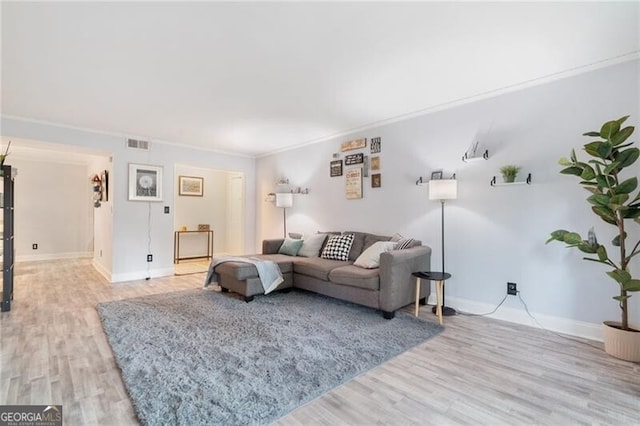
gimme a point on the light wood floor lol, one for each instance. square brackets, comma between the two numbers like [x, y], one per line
[478, 371]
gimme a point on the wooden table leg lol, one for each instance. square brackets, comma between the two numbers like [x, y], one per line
[439, 290]
[417, 296]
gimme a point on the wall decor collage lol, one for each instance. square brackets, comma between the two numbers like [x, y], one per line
[358, 165]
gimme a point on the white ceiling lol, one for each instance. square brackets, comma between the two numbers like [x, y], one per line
[253, 78]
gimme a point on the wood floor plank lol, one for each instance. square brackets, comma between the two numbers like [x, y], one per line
[477, 371]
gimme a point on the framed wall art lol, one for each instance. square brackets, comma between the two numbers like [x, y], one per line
[354, 144]
[437, 175]
[352, 159]
[191, 186]
[376, 180]
[376, 145]
[335, 168]
[145, 182]
[353, 183]
[375, 163]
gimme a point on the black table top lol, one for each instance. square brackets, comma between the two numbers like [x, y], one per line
[434, 276]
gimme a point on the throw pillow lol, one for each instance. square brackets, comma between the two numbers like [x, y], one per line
[290, 247]
[370, 258]
[295, 235]
[396, 237]
[337, 247]
[405, 243]
[311, 245]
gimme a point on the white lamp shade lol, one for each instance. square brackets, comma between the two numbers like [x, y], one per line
[284, 200]
[443, 189]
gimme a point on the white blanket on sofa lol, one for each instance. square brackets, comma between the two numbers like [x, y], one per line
[268, 271]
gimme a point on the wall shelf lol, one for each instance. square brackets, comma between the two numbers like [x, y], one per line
[527, 181]
[484, 156]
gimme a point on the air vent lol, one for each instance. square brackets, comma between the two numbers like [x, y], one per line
[137, 144]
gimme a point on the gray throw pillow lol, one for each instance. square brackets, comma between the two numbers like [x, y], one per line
[311, 245]
[290, 247]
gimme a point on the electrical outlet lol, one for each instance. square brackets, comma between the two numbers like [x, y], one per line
[512, 289]
[149, 258]
[166, 209]
[34, 246]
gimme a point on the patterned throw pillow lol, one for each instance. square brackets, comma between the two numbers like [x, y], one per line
[337, 247]
[405, 243]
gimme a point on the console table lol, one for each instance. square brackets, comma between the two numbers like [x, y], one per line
[176, 246]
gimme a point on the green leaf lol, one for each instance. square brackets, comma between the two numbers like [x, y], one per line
[616, 240]
[573, 155]
[620, 276]
[586, 248]
[599, 200]
[631, 213]
[572, 238]
[602, 253]
[605, 181]
[627, 186]
[621, 298]
[627, 157]
[622, 119]
[611, 167]
[609, 129]
[577, 171]
[631, 285]
[591, 134]
[622, 135]
[588, 173]
[605, 214]
[618, 200]
[557, 235]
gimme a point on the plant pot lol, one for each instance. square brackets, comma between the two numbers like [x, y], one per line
[509, 179]
[621, 343]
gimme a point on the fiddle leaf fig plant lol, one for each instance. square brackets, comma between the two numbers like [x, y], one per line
[612, 200]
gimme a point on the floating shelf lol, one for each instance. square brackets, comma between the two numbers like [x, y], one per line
[484, 156]
[525, 182]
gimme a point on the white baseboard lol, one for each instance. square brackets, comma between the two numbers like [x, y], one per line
[141, 275]
[102, 270]
[53, 256]
[569, 326]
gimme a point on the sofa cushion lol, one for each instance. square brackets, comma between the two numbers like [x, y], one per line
[369, 239]
[338, 247]
[316, 267]
[370, 258]
[241, 271]
[311, 245]
[290, 247]
[358, 244]
[354, 276]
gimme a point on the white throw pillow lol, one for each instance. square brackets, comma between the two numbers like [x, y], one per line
[311, 245]
[370, 258]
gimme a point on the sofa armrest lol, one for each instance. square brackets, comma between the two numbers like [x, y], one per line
[397, 285]
[271, 246]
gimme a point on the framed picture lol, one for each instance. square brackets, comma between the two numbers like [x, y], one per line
[436, 175]
[105, 184]
[354, 159]
[145, 182]
[335, 168]
[376, 180]
[354, 144]
[375, 163]
[191, 186]
[353, 183]
[376, 145]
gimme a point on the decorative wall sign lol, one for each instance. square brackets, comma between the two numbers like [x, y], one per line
[145, 182]
[375, 163]
[335, 168]
[191, 186]
[376, 145]
[352, 159]
[353, 183]
[354, 144]
[376, 180]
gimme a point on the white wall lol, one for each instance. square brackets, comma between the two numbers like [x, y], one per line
[53, 208]
[133, 220]
[493, 235]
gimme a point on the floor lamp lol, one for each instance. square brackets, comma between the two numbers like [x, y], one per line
[443, 189]
[284, 200]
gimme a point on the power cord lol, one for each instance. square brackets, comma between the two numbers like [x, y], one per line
[488, 313]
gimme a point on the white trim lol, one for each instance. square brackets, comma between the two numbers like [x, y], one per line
[53, 256]
[101, 269]
[569, 326]
[141, 275]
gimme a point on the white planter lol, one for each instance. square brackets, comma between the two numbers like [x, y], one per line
[621, 344]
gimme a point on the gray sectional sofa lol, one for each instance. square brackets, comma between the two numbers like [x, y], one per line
[387, 288]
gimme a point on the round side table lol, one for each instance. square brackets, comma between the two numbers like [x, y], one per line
[439, 278]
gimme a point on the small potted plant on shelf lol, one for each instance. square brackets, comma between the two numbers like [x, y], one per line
[612, 201]
[509, 173]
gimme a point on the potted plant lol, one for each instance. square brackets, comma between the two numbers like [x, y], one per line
[509, 173]
[612, 201]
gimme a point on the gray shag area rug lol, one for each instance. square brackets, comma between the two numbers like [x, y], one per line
[198, 357]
